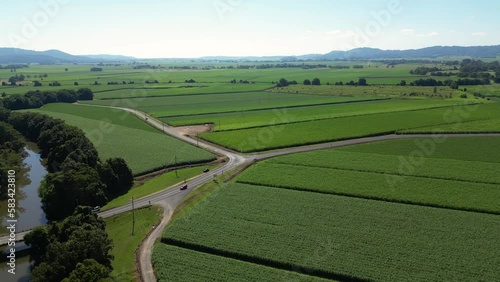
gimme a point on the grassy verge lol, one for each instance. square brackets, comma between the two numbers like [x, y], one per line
[201, 193]
[156, 184]
[119, 229]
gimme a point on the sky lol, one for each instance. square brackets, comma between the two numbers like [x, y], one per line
[195, 28]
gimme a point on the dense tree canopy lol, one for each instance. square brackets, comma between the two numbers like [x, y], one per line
[76, 248]
[36, 99]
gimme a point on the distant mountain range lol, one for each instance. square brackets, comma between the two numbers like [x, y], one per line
[15, 55]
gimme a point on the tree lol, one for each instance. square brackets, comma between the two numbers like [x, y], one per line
[38, 238]
[85, 94]
[282, 83]
[88, 271]
[75, 83]
[454, 85]
[37, 83]
[307, 82]
[117, 176]
[362, 82]
[77, 248]
[402, 83]
[316, 81]
[63, 191]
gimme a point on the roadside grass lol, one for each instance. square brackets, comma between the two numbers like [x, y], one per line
[157, 184]
[119, 229]
[197, 195]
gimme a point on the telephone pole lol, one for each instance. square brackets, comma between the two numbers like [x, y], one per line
[176, 175]
[133, 217]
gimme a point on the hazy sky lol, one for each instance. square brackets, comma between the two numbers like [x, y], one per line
[193, 28]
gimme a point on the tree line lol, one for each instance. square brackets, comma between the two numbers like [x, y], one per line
[36, 99]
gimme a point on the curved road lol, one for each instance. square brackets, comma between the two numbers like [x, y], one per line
[169, 198]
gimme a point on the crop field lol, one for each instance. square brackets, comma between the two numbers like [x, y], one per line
[219, 103]
[116, 133]
[174, 74]
[489, 125]
[375, 179]
[318, 131]
[376, 211]
[339, 237]
[475, 149]
[248, 119]
[374, 91]
[180, 89]
[176, 264]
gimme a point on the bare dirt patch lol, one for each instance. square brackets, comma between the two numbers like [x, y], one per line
[193, 130]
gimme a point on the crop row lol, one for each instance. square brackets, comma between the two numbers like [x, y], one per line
[470, 148]
[413, 164]
[488, 126]
[394, 188]
[248, 119]
[312, 132]
[173, 263]
[352, 237]
[219, 103]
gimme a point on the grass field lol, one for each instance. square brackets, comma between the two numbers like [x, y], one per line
[119, 229]
[340, 237]
[318, 131]
[116, 133]
[156, 184]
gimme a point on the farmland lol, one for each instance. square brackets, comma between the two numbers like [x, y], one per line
[248, 119]
[422, 208]
[219, 103]
[318, 131]
[340, 237]
[367, 176]
[116, 133]
[172, 262]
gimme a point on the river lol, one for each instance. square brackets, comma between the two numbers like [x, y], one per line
[29, 209]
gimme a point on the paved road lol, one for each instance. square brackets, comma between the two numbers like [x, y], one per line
[169, 198]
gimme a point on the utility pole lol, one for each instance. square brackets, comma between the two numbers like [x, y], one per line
[175, 157]
[133, 217]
